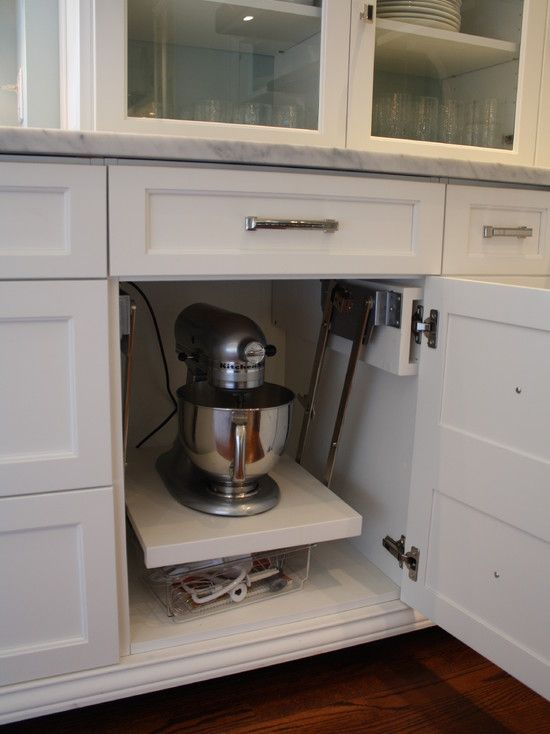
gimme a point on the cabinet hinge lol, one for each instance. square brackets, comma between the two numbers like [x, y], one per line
[428, 327]
[367, 14]
[410, 558]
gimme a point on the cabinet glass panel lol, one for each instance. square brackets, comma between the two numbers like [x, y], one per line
[29, 63]
[447, 71]
[214, 61]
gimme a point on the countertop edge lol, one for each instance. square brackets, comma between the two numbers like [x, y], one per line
[49, 142]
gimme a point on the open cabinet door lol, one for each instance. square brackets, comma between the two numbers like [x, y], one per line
[479, 509]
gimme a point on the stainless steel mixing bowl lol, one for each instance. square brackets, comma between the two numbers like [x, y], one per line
[234, 437]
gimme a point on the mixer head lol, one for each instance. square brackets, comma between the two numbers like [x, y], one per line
[225, 348]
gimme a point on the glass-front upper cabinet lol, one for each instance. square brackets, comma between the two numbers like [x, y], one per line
[272, 70]
[450, 78]
[30, 63]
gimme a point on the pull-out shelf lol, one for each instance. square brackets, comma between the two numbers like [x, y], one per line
[170, 533]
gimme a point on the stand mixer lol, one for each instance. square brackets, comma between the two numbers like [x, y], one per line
[233, 426]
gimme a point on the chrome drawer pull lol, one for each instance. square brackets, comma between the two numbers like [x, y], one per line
[489, 231]
[251, 224]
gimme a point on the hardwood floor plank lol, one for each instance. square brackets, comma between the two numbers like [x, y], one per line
[422, 683]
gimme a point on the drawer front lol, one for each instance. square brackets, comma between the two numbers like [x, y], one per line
[57, 584]
[490, 231]
[53, 221]
[54, 386]
[191, 222]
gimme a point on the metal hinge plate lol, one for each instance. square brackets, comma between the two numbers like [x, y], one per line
[428, 327]
[409, 559]
[387, 309]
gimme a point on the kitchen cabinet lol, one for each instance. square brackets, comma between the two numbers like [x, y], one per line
[453, 458]
[201, 69]
[57, 527]
[427, 89]
[345, 73]
[57, 534]
[469, 431]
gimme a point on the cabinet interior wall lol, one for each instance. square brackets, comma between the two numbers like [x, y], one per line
[500, 81]
[372, 470]
[500, 19]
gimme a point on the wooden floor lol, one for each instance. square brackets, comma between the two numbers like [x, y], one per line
[421, 682]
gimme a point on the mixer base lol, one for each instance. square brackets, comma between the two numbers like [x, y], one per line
[189, 487]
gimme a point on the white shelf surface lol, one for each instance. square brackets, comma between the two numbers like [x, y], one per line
[416, 50]
[340, 579]
[170, 533]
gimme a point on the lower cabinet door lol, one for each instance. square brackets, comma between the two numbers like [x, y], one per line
[479, 510]
[54, 386]
[57, 584]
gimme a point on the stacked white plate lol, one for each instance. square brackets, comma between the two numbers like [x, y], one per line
[444, 14]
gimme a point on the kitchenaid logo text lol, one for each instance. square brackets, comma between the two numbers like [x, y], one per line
[237, 367]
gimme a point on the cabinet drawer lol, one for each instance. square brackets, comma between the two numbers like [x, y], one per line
[470, 245]
[57, 584]
[53, 221]
[191, 222]
[54, 386]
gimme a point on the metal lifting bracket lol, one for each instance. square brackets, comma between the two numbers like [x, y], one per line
[339, 299]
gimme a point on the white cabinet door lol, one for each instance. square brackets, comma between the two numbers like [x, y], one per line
[479, 509]
[53, 220]
[198, 69]
[57, 584]
[469, 92]
[54, 386]
[190, 222]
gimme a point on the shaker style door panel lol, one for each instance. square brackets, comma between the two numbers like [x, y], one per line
[53, 221]
[491, 231]
[479, 509]
[211, 223]
[54, 389]
[58, 585]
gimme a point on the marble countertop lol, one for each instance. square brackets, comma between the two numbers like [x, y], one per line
[36, 141]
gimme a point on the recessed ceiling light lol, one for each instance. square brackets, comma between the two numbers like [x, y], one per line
[247, 18]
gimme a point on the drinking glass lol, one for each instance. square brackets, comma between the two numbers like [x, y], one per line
[210, 110]
[451, 121]
[425, 120]
[288, 115]
[253, 113]
[485, 120]
[392, 115]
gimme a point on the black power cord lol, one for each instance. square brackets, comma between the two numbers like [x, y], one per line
[164, 363]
